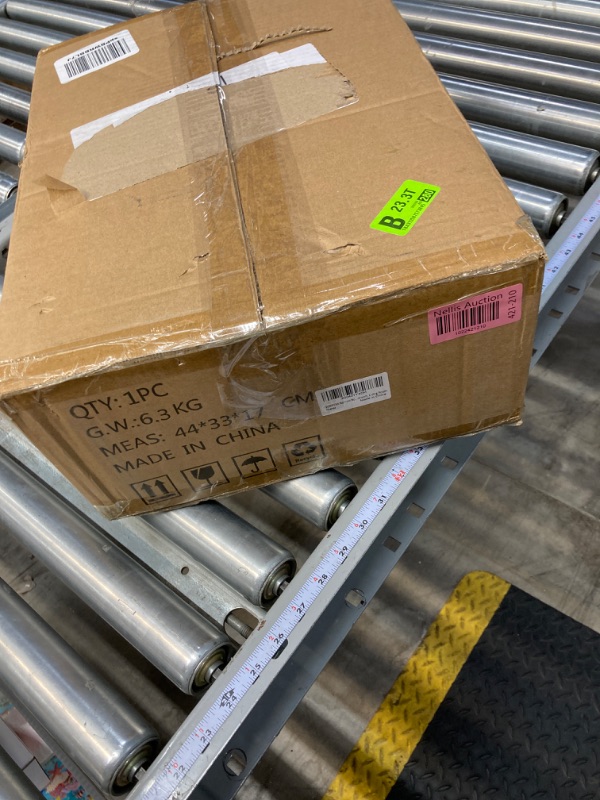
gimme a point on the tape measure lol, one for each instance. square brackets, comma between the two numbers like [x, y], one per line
[168, 780]
[571, 243]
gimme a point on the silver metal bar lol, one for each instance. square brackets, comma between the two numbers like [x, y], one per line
[17, 67]
[15, 784]
[546, 208]
[259, 714]
[527, 33]
[14, 103]
[7, 213]
[217, 601]
[563, 167]
[560, 118]
[8, 185]
[129, 8]
[579, 12]
[85, 715]
[59, 15]
[185, 647]
[28, 37]
[237, 552]
[320, 498]
[12, 144]
[556, 74]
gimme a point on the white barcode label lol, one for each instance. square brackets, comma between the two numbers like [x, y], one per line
[354, 393]
[96, 56]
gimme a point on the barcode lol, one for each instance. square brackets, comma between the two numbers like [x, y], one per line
[352, 389]
[97, 56]
[361, 392]
[456, 321]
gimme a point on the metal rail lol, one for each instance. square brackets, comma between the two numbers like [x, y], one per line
[528, 33]
[582, 12]
[563, 167]
[548, 115]
[546, 207]
[70, 700]
[563, 76]
[59, 15]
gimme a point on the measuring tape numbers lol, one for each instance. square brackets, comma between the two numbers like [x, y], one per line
[572, 242]
[168, 780]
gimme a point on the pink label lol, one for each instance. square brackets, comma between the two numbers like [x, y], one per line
[476, 314]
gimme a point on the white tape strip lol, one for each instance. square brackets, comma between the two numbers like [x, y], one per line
[302, 56]
[85, 132]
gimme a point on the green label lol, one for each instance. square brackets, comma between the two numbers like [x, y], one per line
[405, 207]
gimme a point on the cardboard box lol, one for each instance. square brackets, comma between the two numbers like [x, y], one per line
[253, 240]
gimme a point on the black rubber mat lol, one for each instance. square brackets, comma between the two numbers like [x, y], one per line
[522, 719]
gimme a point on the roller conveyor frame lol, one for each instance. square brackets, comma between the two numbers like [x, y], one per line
[251, 725]
[256, 717]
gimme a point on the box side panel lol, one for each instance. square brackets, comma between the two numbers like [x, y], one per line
[371, 380]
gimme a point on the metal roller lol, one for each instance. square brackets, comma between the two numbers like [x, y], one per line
[14, 784]
[546, 208]
[129, 8]
[555, 74]
[563, 167]
[238, 553]
[7, 212]
[8, 185]
[12, 144]
[540, 114]
[69, 700]
[17, 67]
[28, 37]
[14, 103]
[319, 498]
[170, 634]
[59, 15]
[580, 12]
[526, 33]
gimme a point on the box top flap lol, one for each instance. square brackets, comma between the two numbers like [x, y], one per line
[198, 176]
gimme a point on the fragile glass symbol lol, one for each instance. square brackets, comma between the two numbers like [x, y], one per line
[203, 473]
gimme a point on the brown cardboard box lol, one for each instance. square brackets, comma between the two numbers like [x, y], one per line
[216, 287]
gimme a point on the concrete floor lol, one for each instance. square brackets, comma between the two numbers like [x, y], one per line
[526, 507]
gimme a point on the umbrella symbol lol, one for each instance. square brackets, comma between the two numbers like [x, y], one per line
[203, 473]
[254, 460]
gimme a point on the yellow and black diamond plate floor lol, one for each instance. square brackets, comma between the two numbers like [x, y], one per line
[501, 701]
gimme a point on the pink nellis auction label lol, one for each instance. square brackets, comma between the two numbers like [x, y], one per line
[475, 314]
